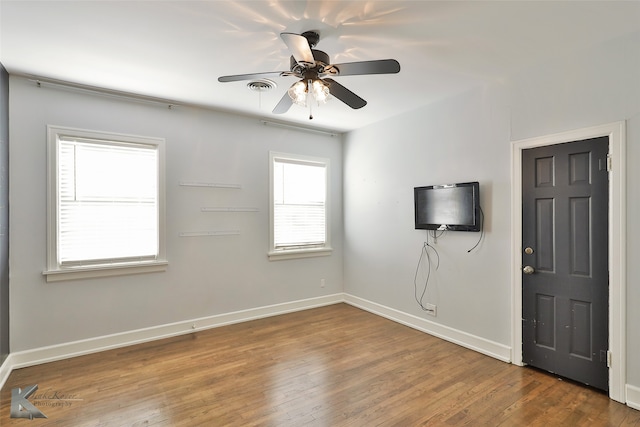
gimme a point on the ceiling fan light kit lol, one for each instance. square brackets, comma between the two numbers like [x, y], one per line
[320, 91]
[313, 67]
[298, 93]
[301, 92]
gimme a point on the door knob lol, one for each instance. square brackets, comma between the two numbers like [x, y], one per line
[527, 269]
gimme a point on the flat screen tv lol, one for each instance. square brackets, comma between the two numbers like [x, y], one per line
[454, 207]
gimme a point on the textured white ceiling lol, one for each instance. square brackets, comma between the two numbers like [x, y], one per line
[176, 50]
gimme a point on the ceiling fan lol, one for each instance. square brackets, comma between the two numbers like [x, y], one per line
[314, 70]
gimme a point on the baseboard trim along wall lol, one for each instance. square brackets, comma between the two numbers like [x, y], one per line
[41, 355]
[94, 345]
[633, 397]
[108, 342]
[5, 370]
[472, 342]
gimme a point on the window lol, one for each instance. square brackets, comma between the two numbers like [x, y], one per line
[299, 219]
[105, 204]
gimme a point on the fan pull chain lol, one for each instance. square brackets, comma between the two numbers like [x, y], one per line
[310, 98]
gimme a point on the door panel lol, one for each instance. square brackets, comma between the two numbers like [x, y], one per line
[580, 217]
[545, 235]
[565, 294]
[580, 338]
[546, 321]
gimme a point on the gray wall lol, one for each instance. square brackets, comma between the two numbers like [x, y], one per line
[469, 138]
[4, 213]
[206, 276]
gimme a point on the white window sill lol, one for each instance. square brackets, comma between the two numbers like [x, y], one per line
[75, 273]
[299, 253]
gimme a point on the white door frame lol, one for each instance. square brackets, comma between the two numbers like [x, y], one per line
[617, 244]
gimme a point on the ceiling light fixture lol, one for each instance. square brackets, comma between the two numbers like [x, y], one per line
[298, 93]
[317, 89]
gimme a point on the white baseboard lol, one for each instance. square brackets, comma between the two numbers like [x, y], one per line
[479, 344]
[633, 397]
[94, 345]
[5, 370]
[41, 355]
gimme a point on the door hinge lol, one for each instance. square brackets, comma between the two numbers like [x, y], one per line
[608, 359]
[609, 163]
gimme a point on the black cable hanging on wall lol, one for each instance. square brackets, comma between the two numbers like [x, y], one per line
[481, 231]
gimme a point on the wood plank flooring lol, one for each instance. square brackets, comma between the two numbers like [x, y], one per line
[329, 366]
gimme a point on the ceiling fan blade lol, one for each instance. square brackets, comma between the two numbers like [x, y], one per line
[284, 104]
[299, 47]
[381, 66]
[344, 94]
[239, 77]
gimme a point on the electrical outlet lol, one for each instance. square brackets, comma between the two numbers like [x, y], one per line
[431, 309]
[322, 283]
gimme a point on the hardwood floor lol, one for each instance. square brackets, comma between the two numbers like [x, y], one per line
[330, 366]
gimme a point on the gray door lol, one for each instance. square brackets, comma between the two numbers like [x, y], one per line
[565, 288]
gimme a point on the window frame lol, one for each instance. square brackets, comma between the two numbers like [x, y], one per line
[57, 272]
[299, 252]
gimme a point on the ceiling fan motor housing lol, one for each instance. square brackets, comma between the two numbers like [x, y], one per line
[321, 58]
[312, 37]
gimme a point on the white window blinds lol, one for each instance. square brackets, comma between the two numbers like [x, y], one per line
[107, 202]
[299, 204]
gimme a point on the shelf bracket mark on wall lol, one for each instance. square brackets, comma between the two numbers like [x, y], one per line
[208, 233]
[209, 184]
[229, 209]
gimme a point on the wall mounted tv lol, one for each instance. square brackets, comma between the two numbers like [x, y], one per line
[454, 207]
